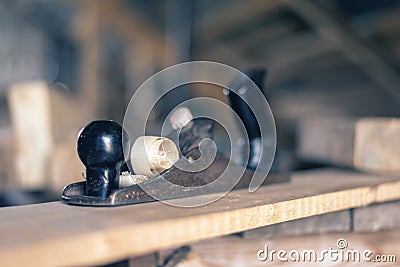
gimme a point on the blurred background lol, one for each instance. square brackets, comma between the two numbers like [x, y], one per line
[64, 63]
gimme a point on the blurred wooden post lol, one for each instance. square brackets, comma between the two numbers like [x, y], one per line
[7, 150]
[45, 124]
[87, 31]
[29, 105]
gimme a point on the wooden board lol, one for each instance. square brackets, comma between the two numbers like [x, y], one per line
[235, 251]
[54, 234]
[7, 150]
[31, 121]
[340, 221]
[377, 217]
[377, 145]
[369, 144]
[44, 121]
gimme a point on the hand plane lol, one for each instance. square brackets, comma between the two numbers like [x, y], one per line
[100, 148]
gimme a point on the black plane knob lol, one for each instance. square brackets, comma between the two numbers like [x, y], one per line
[101, 151]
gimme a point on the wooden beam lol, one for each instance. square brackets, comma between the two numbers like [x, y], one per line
[280, 57]
[359, 53]
[261, 35]
[235, 251]
[7, 151]
[284, 56]
[87, 32]
[96, 16]
[56, 234]
[369, 144]
[216, 23]
[134, 29]
[31, 121]
[384, 21]
[378, 217]
[211, 26]
[43, 118]
[340, 221]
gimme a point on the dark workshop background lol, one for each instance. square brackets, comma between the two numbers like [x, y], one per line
[324, 58]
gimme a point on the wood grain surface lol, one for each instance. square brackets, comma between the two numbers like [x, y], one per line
[237, 252]
[54, 234]
[367, 144]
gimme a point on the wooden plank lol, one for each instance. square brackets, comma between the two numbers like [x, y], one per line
[369, 144]
[377, 217]
[56, 234]
[31, 121]
[150, 260]
[64, 166]
[377, 145]
[327, 140]
[325, 223]
[235, 251]
[7, 151]
[42, 118]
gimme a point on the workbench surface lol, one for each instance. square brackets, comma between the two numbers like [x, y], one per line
[57, 234]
